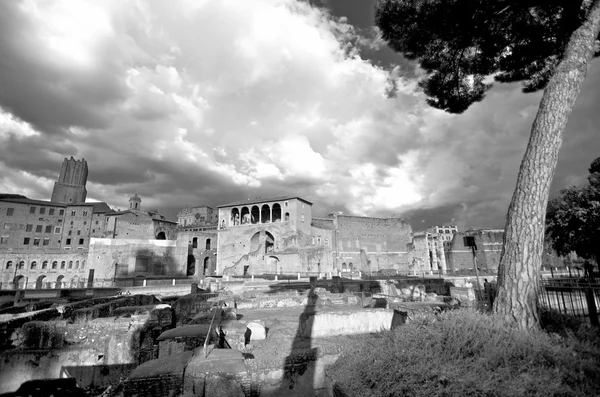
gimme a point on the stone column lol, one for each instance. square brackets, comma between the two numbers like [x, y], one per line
[441, 255]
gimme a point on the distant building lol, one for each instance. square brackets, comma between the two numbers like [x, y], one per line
[482, 246]
[70, 187]
[279, 235]
[197, 216]
[263, 235]
[67, 242]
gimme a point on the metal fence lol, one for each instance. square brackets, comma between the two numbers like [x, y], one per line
[577, 297]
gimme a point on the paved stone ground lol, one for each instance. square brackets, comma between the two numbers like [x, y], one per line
[282, 325]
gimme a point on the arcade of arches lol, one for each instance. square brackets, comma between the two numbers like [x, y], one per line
[203, 266]
[256, 214]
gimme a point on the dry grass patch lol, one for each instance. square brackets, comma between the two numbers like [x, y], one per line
[464, 353]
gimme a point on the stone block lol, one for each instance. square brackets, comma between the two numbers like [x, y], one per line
[257, 331]
[222, 367]
[230, 313]
[465, 295]
[234, 333]
[245, 304]
[162, 377]
[324, 324]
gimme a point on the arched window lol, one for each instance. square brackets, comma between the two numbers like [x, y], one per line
[235, 217]
[44, 264]
[77, 263]
[8, 264]
[287, 217]
[70, 264]
[265, 214]
[195, 242]
[39, 284]
[255, 215]
[245, 216]
[33, 265]
[276, 216]
[54, 264]
[21, 264]
[63, 264]
[207, 243]
[269, 243]
[83, 264]
[302, 217]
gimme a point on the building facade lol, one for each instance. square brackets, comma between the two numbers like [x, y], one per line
[265, 236]
[482, 247]
[67, 242]
[197, 216]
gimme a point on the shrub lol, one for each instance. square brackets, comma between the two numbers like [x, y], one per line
[465, 353]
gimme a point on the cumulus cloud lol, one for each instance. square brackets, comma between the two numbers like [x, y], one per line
[207, 102]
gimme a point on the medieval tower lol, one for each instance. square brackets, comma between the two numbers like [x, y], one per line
[70, 187]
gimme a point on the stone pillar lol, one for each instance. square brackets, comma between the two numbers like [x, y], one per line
[441, 256]
[434, 258]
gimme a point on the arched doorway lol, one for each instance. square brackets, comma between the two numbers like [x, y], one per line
[273, 264]
[19, 282]
[59, 282]
[39, 284]
[161, 236]
[207, 269]
[191, 265]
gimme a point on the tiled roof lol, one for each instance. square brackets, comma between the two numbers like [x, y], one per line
[32, 202]
[263, 200]
[101, 207]
[16, 198]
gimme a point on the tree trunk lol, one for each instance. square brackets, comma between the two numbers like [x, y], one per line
[521, 259]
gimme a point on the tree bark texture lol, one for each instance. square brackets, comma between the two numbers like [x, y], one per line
[521, 258]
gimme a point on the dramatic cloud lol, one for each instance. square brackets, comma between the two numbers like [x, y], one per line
[207, 102]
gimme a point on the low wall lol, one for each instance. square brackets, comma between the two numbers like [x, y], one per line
[325, 324]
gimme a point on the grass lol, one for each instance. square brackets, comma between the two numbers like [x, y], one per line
[465, 353]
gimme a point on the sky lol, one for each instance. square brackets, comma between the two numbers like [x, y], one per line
[206, 102]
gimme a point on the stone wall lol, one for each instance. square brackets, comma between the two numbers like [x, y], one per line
[132, 257]
[372, 244]
[202, 246]
[261, 248]
[489, 248]
[130, 226]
